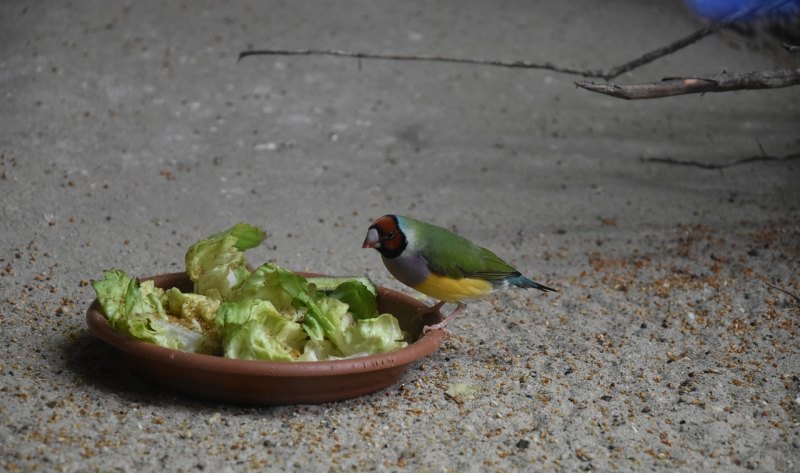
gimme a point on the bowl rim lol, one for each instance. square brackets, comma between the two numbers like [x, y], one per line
[418, 349]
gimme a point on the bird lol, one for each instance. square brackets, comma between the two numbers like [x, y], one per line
[441, 264]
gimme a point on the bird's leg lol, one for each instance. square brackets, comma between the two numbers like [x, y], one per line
[429, 310]
[443, 324]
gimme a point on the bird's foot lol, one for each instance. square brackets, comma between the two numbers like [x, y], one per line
[443, 324]
[435, 327]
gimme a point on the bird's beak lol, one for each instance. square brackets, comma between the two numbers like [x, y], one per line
[372, 240]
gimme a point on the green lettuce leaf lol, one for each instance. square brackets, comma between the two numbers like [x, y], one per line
[164, 333]
[112, 293]
[120, 296]
[263, 284]
[255, 330]
[338, 320]
[359, 337]
[360, 300]
[377, 335]
[285, 290]
[216, 264]
[320, 350]
[136, 310]
[327, 284]
[315, 323]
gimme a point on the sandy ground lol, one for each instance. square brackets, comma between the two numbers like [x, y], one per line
[127, 131]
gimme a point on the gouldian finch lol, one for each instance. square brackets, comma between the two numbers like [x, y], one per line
[441, 264]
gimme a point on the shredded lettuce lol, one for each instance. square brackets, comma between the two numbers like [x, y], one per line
[269, 314]
[190, 306]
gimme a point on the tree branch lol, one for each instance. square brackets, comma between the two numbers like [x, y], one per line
[723, 82]
[607, 74]
[736, 162]
[792, 48]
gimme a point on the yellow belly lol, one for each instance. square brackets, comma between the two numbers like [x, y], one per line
[453, 290]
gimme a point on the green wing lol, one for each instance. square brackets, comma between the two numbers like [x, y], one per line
[451, 255]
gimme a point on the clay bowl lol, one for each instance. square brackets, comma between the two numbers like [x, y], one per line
[269, 382]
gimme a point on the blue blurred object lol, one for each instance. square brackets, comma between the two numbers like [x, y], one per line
[717, 10]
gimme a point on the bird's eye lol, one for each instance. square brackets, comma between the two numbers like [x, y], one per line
[390, 235]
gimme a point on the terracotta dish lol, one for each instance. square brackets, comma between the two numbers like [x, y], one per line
[269, 382]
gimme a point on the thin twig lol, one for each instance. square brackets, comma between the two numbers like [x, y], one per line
[736, 162]
[657, 53]
[697, 84]
[415, 57]
[792, 48]
[791, 294]
[761, 147]
[651, 56]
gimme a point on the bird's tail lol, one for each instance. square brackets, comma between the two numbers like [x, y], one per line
[521, 281]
